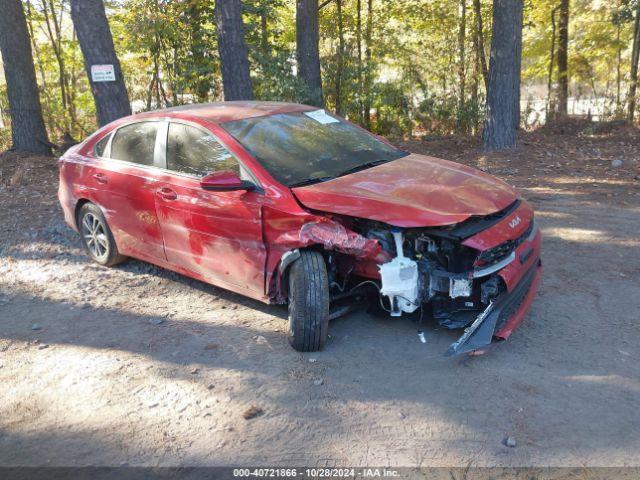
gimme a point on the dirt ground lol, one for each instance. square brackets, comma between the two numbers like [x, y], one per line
[139, 366]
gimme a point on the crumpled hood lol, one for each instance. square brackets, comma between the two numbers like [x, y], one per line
[413, 191]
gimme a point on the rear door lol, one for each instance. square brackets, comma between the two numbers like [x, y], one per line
[125, 179]
[215, 235]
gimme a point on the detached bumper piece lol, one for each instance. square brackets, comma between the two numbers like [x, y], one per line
[502, 314]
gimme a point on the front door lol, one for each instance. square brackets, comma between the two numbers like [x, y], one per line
[215, 235]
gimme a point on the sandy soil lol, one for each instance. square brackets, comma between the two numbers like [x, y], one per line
[135, 365]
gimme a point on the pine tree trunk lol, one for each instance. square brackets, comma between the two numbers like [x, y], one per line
[477, 72]
[635, 54]
[340, 62]
[368, 72]
[234, 61]
[359, 48]
[462, 32]
[504, 75]
[308, 52]
[551, 111]
[96, 43]
[480, 43]
[563, 51]
[618, 69]
[517, 65]
[27, 127]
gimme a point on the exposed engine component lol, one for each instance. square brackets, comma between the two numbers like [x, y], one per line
[430, 266]
[400, 280]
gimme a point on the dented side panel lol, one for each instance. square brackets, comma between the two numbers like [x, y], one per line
[286, 231]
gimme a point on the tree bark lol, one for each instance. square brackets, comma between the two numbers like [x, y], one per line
[462, 35]
[563, 51]
[359, 47]
[28, 133]
[234, 62]
[504, 76]
[96, 43]
[340, 62]
[368, 72]
[635, 54]
[618, 69]
[550, 111]
[308, 51]
[480, 43]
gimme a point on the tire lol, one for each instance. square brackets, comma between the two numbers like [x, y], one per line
[97, 237]
[308, 302]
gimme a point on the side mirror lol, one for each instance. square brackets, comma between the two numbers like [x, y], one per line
[224, 181]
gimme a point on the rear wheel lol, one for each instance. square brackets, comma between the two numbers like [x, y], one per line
[308, 302]
[97, 237]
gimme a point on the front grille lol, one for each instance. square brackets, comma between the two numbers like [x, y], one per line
[503, 250]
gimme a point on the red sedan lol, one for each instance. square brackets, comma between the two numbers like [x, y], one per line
[286, 203]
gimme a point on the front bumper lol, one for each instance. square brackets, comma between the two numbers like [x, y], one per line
[502, 315]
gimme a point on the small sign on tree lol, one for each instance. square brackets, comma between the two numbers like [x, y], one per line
[103, 73]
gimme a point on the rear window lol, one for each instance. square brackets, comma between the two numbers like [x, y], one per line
[135, 143]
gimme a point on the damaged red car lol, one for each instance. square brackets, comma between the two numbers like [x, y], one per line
[289, 204]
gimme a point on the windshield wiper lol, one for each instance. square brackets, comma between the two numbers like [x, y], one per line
[310, 181]
[363, 166]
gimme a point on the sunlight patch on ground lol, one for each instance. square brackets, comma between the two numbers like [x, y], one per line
[587, 181]
[34, 271]
[550, 214]
[610, 380]
[552, 191]
[583, 235]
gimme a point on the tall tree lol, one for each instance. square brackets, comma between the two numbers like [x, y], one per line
[549, 110]
[307, 50]
[28, 133]
[340, 62]
[368, 71]
[94, 35]
[234, 61]
[635, 54]
[359, 51]
[563, 53]
[479, 43]
[504, 75]
[462, 27]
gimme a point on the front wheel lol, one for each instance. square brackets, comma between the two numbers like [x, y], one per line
[308, 302]
[97, 237]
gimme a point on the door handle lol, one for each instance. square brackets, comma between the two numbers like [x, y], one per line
[167, 193]
[100, 177]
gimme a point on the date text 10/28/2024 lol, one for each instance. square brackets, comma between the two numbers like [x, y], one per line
[315, 473]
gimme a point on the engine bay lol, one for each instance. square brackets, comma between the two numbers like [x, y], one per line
[430, 267]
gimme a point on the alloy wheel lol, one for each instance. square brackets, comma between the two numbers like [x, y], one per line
[95, 237]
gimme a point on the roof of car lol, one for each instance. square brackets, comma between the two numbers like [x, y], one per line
[228, 111]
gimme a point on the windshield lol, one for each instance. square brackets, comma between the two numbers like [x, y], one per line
[308, 147]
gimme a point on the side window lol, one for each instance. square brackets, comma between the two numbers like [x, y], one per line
[135, 143]
[101, 145]
[190, 150]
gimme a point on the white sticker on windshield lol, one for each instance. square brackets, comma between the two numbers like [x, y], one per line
[321, 117]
